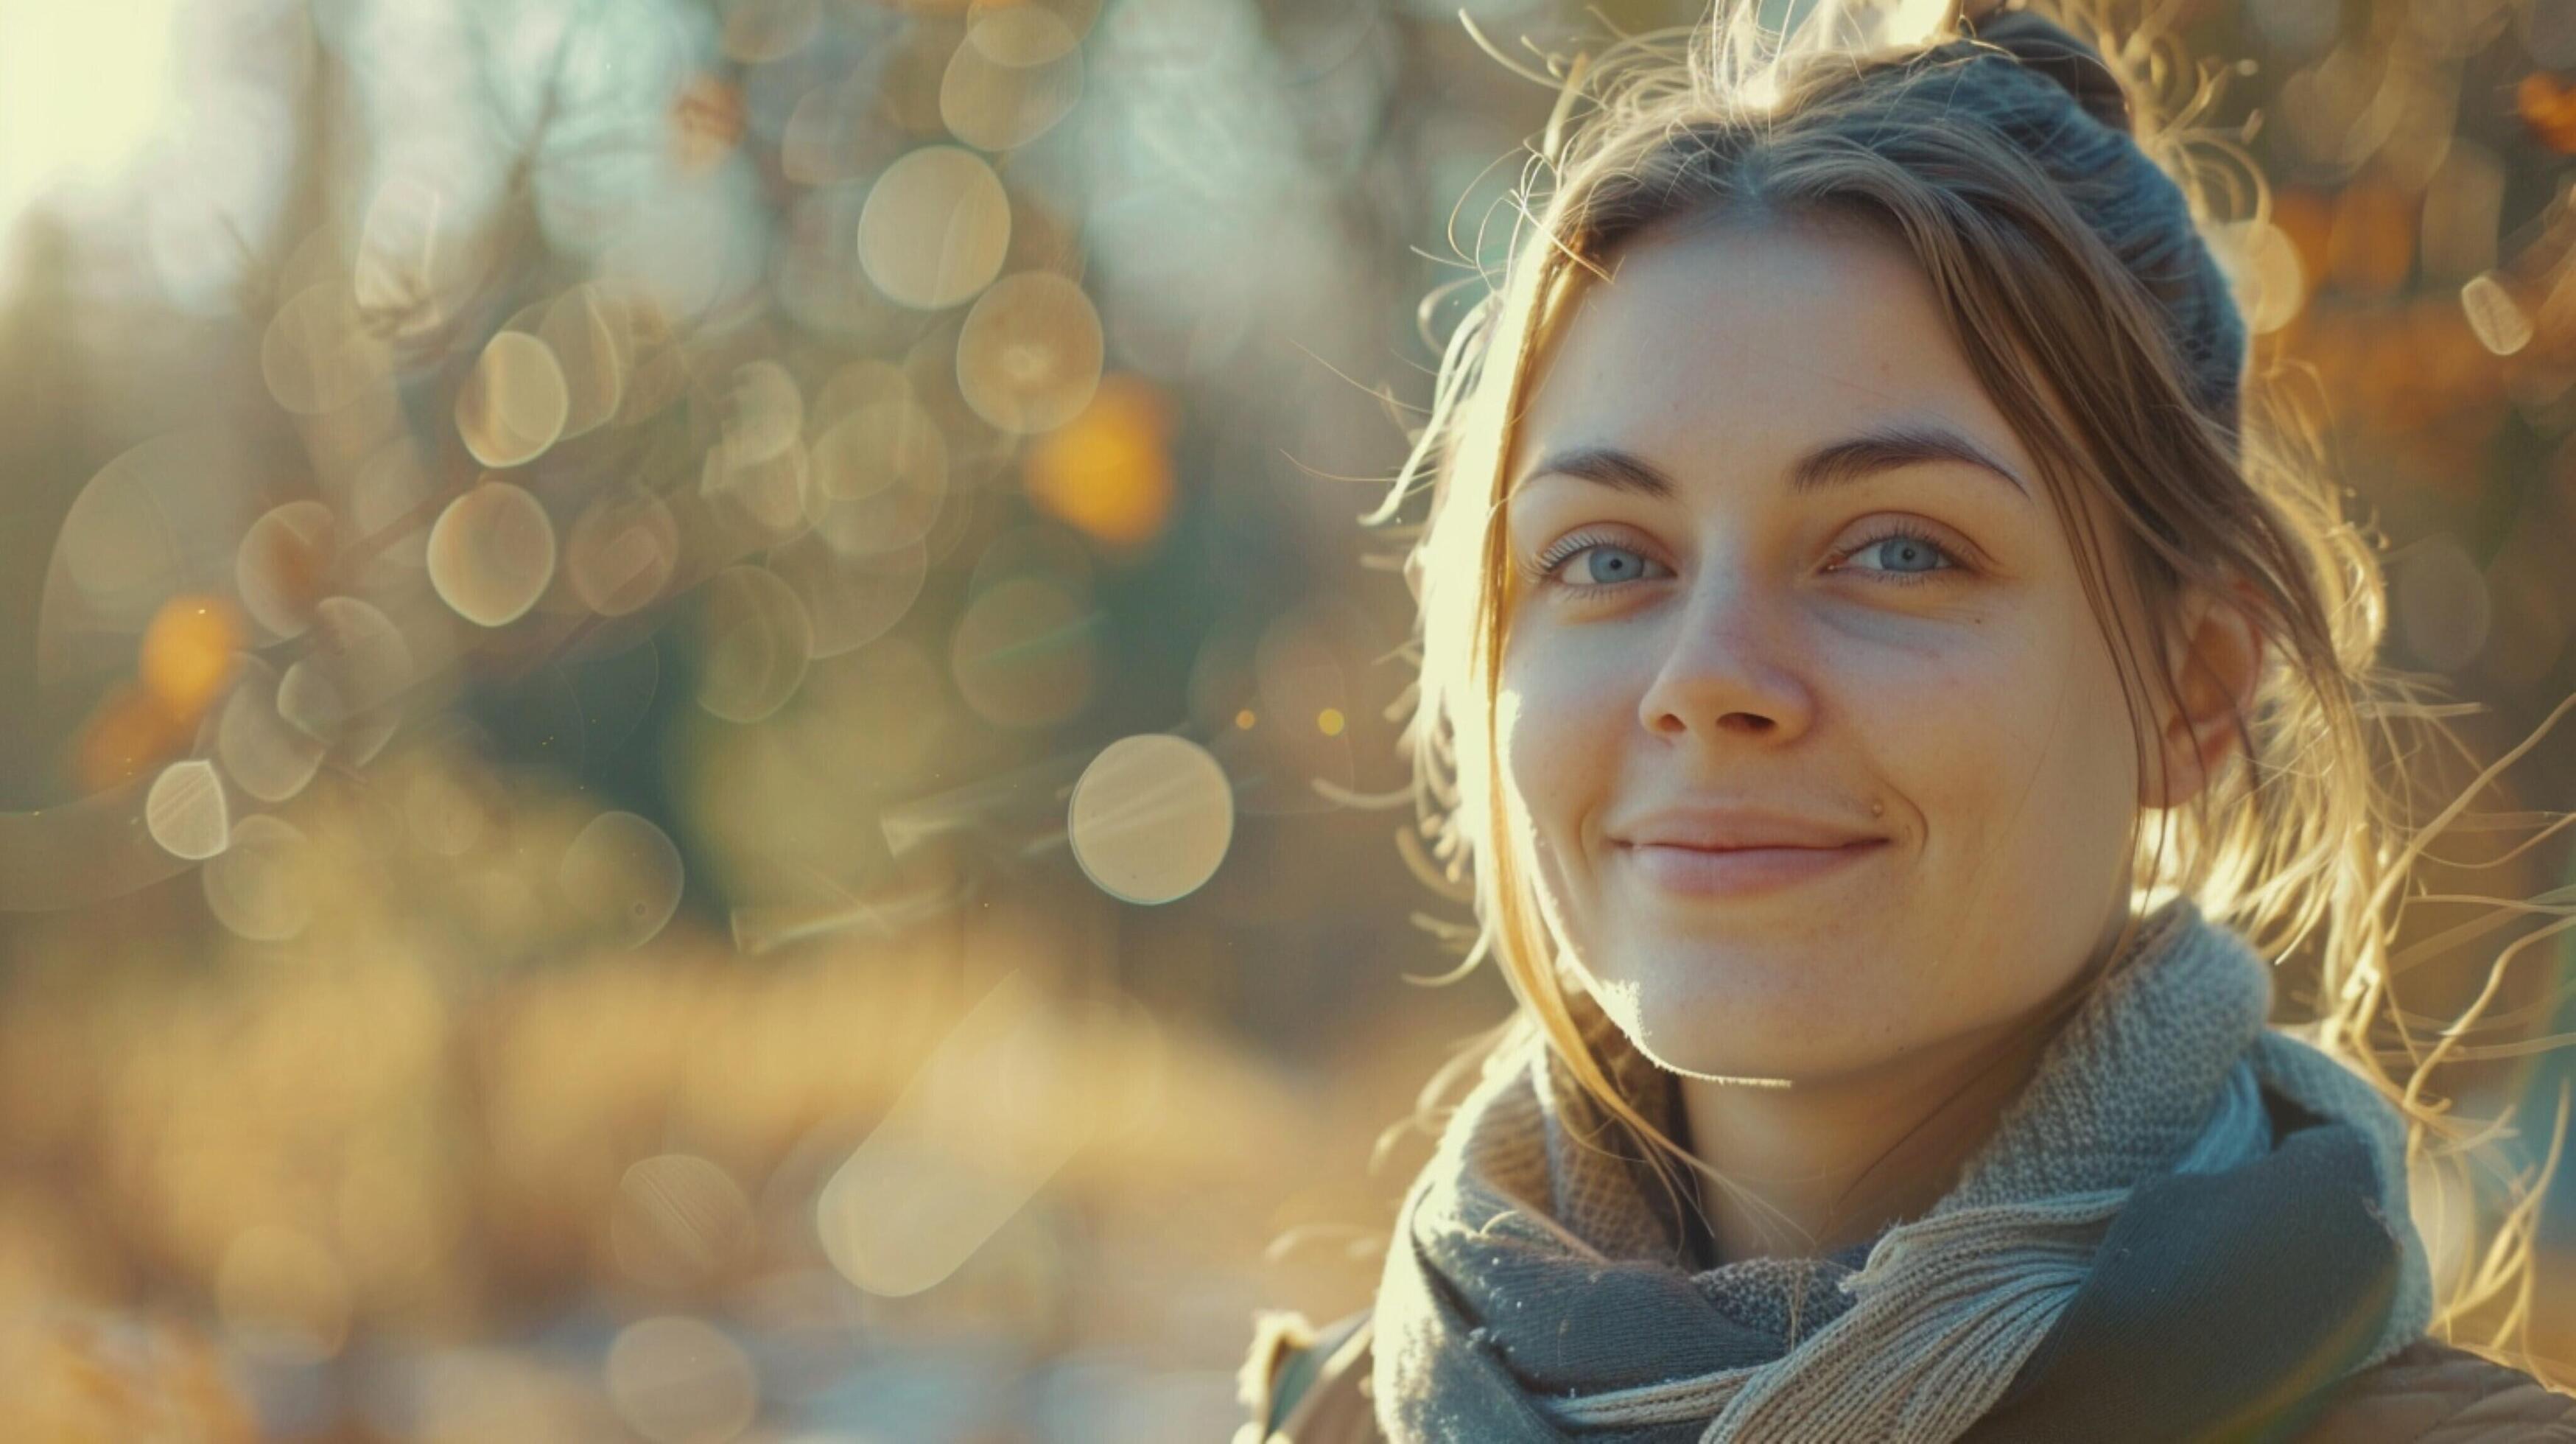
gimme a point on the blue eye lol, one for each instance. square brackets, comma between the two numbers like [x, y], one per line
[1908, 556]
[1608, 566]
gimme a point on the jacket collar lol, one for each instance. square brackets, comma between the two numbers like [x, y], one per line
[2221, 1305]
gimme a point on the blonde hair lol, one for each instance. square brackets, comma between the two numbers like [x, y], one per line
[2059, 211]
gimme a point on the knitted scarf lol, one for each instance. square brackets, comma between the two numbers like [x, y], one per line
[1539, 1286]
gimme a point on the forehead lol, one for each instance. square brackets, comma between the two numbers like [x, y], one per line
[1747, 343]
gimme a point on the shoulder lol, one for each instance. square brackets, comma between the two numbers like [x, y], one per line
[1306, 1385]
[2434, 1393]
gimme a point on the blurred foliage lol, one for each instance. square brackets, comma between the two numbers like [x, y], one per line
[697, 745]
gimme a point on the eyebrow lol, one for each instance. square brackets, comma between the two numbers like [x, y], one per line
[1836, 463]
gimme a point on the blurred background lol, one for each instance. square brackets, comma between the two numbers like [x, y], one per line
[698, 744]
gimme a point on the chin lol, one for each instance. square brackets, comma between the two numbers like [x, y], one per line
[1783, 1020]
[1726, 1032]
[1706, 1056]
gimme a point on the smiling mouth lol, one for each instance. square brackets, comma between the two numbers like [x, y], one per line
[1741, 871]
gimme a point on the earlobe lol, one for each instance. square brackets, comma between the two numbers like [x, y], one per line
[2216, 669]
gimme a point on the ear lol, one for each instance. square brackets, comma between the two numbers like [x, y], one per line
[2215, 658]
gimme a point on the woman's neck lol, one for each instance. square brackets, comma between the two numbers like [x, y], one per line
[1842, 1159]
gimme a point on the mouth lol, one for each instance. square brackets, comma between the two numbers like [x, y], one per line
[1741, 871]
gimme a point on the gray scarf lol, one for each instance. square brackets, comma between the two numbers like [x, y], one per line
[1537, 1287]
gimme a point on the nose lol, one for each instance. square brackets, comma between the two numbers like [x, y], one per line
[1730, 666]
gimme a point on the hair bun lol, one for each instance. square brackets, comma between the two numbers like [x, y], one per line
[2040, 44]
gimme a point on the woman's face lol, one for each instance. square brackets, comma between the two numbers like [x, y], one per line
[1787, 603]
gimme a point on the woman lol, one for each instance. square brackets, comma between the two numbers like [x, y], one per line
[1871, 671]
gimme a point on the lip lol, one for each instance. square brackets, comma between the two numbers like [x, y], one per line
[1741, 871]
[1711, 827]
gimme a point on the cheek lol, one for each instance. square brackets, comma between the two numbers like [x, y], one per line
[1560, 715]
[2018, 755]
[1560, 719]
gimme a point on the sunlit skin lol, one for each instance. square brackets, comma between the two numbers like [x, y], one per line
[1741, 643]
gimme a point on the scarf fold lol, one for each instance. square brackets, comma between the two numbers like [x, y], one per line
[1541, 1283]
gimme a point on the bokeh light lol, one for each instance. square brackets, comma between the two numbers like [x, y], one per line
[1028, 357]
[584, 335]
[492, 553]
[188, 653]
[2271, 286]
[515, 403]
[341, 691]
[2499, 321]
[185, 810]
[622, 552]
[754, 643]
[284, 562]
[1017, 71]
[679, 1221]
[623, 875]
[1151, 818]
[935, 229]
[1107, 470]
[262, 753]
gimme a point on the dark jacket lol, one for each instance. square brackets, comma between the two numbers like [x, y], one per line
[2428, 1393]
